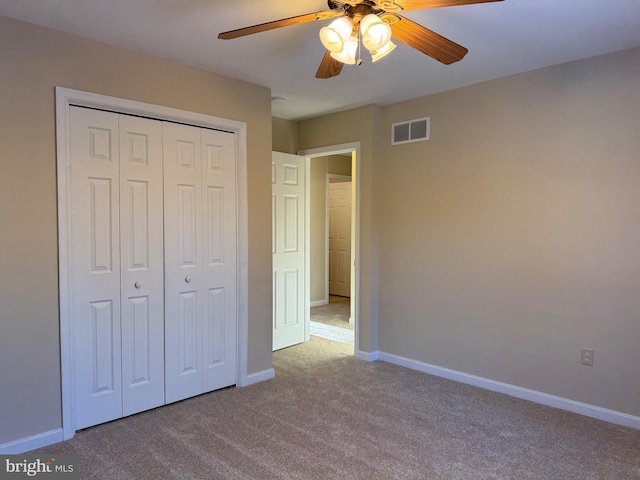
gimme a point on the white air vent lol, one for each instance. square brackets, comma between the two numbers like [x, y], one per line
[417, 130]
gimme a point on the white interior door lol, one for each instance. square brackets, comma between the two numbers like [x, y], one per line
[183, 261]
[340, 238]
[288, 244]
[200, 266]
[117, 259]
[142, 264]
[219, 275]
[94, 238]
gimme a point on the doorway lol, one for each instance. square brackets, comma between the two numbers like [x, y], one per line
[334, 308]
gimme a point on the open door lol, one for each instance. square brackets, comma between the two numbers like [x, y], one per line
[288, 247]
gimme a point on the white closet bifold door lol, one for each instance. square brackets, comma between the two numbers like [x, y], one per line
[142, 264]
[183, 261]
[152, 254]
[219, 265]
[200, 260]
[116, 239]
[95, 266]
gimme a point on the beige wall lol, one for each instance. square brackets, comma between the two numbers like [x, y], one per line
[317, 228]
[512, 238]
[320, 167]
[33, 61]
[357, 125]
[285, 135]
[339, 165]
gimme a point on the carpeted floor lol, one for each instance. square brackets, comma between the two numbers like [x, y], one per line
[335, 313]
[327, 415]
[331, 321]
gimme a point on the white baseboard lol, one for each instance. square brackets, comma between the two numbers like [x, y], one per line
[258, 377]
[611, 416]
[23, 445]
[367, 356]
[319, 303]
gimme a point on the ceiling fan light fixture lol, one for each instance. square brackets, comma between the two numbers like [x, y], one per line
[348, 54]
[384, 51]
[369, 22]
[375, 33]
[335, 36]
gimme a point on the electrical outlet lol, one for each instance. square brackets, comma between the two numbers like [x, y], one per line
[586, 357]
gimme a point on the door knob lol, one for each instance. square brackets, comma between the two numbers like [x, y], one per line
[137, 285]
[187, 279]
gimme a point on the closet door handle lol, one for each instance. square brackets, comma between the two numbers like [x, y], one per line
[137, 285]
[187, 279]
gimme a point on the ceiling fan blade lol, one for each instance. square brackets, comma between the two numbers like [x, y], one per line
[285, 22]
[329, 67]
[423, 4]
[427, 41]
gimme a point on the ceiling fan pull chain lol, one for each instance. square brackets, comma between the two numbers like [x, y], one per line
[359, 62]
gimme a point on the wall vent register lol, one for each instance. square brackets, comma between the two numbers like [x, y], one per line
[417, 130]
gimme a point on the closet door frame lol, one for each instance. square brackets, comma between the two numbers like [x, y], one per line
[65, 98]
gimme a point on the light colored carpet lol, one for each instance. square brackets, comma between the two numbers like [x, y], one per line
[335, 313]
[327, 415]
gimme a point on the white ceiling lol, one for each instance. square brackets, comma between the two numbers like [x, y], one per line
[503, 38]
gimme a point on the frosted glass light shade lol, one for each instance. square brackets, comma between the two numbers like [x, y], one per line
[348, 54]
[335, 36]
[381, 52]
[375, 33]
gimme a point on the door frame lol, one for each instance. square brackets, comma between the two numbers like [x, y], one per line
[342, 178]
[65, 99]
[356, 173]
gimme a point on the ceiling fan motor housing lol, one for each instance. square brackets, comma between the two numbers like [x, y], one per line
[359, 11]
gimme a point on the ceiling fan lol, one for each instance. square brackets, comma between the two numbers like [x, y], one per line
[374, 22]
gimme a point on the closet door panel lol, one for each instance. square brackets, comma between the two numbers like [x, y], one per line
[183, 261]
[142, 263]
[152, 263]
[219, 266]
[95, 266]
